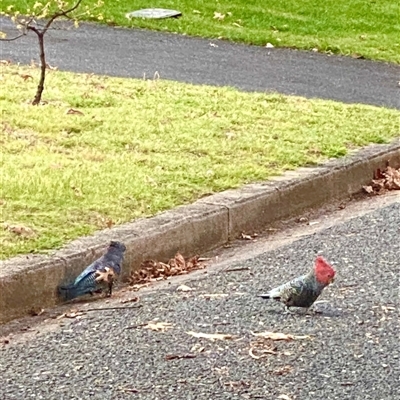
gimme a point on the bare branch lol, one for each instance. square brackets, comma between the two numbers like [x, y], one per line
[61, 13]
[34, 29]
[14, 38]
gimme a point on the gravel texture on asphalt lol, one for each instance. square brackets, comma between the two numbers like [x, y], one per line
[352, 352]
[138, 53]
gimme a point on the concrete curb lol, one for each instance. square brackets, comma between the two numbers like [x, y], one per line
[28, 282]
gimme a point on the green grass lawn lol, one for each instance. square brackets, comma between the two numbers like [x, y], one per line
[140, 147]
[369, 28]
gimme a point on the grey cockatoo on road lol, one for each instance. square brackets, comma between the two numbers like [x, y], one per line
[304, 290]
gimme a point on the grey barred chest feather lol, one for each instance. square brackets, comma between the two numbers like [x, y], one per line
[302, 292]
[299, 297]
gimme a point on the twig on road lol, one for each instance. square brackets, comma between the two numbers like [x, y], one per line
[237, 269]
[112, 308]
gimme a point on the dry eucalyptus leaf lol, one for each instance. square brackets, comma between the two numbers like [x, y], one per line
[286, 369]
[383, 181]
[184, 288]
[179, 260]
[197, 347]
[262, 353]
[20, 230]
[77, 191]
[158, 326]
[26, 77]
[245, 237]
[279, 336]
[34, 311]
[73, 111]
[209, 296]
[219, 16]
[368, 189]
[284, 397]
[73, 314]
[130, 300]
[211, 336]
[179, 356]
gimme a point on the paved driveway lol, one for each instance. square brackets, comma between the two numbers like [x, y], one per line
[138, 53]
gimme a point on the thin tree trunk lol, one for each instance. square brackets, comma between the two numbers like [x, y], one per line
[40, 88]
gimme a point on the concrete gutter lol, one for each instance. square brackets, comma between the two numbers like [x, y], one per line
[28, 282]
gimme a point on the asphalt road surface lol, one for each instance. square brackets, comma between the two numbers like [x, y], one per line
[139, 53]
[348, 350]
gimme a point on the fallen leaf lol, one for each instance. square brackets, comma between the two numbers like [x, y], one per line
[178, 261]
[20, 230]
[179, 356]
[219, 16]
[36, 311]
[311, 223]
[368, 189]
[209, 296]
[184, 288]
[287, 369]
[130, 300]
[279, 336]
[261, 349]
[77, 191]
[383, 181]
[246, 237]
[50, 67]
[129, 390]
[74, 111]
[72, 314]
[211, 336]
[109, 223]
[158, 326]
[197, 347]
[26, 77]
[139, 286]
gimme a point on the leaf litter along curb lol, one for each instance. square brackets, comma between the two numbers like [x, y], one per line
[152, 270]
[384, 181]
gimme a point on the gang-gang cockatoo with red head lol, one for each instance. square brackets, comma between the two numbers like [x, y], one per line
[304, 290]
